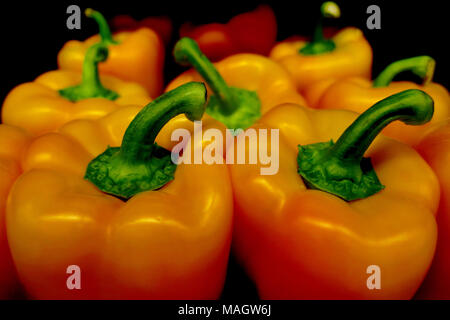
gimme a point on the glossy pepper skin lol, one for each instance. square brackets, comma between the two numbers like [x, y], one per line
[250, 32]
[170, 243]
[59, 96]
[358, 94]
[301, 243]
[161, 25]
[435, 149]
[136, 56]
[13, 141]
[242, 87]
[345, 54]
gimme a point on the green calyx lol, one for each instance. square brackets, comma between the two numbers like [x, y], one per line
[319, 44]
[104, 30]
[234, 107]
[90, 86]
[139, 164]
[340, 168]
[422, 66]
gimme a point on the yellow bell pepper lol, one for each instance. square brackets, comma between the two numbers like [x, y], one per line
[358, 94]
[13, 141]
[169, 240]
[136, 56]
[435, 149]
[59, 96]
[347, 53]
[336, 211]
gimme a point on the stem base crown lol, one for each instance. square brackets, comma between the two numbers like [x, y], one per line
[80, 92]
[110, 173]
[314, 48]
[139, 164]
[246, 113]
[349, 180]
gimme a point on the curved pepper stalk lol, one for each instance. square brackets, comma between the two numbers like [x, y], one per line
[319, 44]
[139, 164]
[90, 86]
[340, 168]
[422, 66]
[104, 30]
[235, 107]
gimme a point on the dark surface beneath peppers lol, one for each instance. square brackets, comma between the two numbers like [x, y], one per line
[35, 31]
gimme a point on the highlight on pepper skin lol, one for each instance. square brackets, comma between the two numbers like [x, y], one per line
[161, 152]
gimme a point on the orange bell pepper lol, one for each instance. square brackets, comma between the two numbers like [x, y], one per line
[136, 56]
[358, 94]
[347, 53]
[59, 96]
[161, 25]
[13, 141]
[435, 149]
[314, 235]
[170, 240]
[250, 32]
[242, 88]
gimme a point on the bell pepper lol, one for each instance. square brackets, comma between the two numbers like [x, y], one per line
[358, 94]
[137, 225]
[59, 96]
[347, 53]
[435, 149]
[161, 25]
[360, 202]
[242, 87]
[13, 141]
[136, 56]
[250, 32]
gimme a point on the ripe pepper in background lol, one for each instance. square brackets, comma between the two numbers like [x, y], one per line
[347, 53]
[170, 243]
[435, 149]
[299, 243]
[242, 87]
[161, 25]
[358, 94]
[13, 141]
[250, 32]
[59, 96]
[136, 56]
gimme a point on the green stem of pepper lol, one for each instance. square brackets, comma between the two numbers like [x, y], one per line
[188, 99]
[235, 107]
[90, 86]
[104, 30]
[422, 66]
[319, 44]
[187, 52]
[339, 168]
[139, 164]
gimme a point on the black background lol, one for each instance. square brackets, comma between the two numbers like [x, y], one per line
[33, 33]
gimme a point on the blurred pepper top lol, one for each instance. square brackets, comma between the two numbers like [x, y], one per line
[358, 94]
[169, 243]
[161, 25]
[347, 53]
[298, 238]
[59, 96]
[250, 32]
[136, 56]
